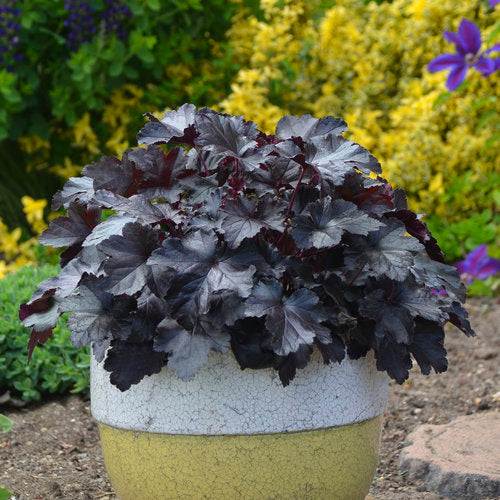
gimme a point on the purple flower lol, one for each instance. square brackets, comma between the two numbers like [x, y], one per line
[493, 3]
[495, 48]
[477, 265]
[467, 42]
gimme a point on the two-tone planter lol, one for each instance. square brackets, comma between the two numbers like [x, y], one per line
[233, 434]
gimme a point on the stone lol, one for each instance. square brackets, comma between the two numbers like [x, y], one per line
[460, 459]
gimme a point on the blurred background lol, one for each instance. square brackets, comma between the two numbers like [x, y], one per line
[77, 76]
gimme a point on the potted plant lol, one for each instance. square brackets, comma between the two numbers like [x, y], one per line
[282, 251]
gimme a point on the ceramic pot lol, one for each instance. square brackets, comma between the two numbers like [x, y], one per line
[238, 434]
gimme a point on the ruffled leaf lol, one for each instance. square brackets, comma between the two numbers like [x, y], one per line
[308, 127]
[292, 321]
[128, 254]
[325, 221]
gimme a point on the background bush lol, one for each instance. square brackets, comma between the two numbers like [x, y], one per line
[75, 81]
[56, 367]
[367, 64]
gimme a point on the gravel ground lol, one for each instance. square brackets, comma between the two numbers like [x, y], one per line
[53, 450]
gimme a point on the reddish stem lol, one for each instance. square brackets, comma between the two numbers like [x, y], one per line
[207, 173]
[355, 277]
[391, 296]
[296, 190]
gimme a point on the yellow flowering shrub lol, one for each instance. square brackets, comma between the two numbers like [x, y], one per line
[269, 51]
[367, 64]
[14, 252]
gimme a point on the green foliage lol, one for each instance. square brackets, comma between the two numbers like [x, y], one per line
[460, 237]
[488, 287]
[47, 92]
[53, 82]
[5, 424]
[56, 367]
[5, 494]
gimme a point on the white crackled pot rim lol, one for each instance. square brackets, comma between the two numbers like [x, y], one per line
[222, 399]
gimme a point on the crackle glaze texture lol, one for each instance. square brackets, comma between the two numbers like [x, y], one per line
[325, 464]
[223, 399]
[230, 434]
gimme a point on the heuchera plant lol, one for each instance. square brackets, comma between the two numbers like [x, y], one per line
[225, 238]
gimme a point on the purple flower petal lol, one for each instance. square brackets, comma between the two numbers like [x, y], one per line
[455, 39]
[487, 267]
[470, 35]
[445, 61]
[471, 262]
[485, 66]
[465, 266]
[493, 3]
[456, 77]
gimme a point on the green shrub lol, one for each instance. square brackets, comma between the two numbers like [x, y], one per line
[64, 103]
[56, 367]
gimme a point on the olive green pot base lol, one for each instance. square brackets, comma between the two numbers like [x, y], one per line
[327, 464]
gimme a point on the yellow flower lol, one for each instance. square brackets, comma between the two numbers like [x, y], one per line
[34, 213]
[67, 170]
[84, 136]
[32, 143]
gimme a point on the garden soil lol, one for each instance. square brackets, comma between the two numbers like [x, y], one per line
[53, 450]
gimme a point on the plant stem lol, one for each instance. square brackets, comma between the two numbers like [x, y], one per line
[391, 296]
[207, 173]
[355, 277]
[296, 190]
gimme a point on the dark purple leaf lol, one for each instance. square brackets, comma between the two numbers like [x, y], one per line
[244, 217]
[41, 315]
[287, 365]
[128, 255]
[419, 230]
[325, 221]
[394, 306]
[292, 321]
[427, 346]
[159, 171]
[307, 127]
[113, 225]
[435, 275]
[458, 316]
[187, 351]
[368, 194]
[176, 127]
[200, 187]
[333, 157]
[275, 173]
[129, 363]
[78, 189]
[193, 254]
[388, 253]
[229, 136]
[97, 316]
[38, 337]
[247, 338]
[137, 207]
[112, 174]
[334, 351]
[73, 229]
[204, 269]
[393, 358]
[391, 317]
